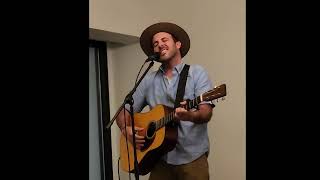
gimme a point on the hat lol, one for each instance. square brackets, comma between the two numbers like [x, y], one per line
[173, 29]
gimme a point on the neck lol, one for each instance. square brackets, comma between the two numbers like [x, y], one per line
[169, 65]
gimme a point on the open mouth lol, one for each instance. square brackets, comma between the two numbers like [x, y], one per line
[163, 52]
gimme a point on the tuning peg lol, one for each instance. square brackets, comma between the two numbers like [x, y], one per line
[223, 98]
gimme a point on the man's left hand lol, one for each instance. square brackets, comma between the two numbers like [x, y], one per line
[181, 113]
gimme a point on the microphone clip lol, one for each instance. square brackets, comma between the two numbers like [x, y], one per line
[153, 57]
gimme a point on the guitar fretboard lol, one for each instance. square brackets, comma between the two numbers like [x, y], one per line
[170, 117]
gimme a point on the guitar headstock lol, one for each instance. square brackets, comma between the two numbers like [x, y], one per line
[217, 92]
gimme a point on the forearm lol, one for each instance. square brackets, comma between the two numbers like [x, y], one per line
[202, 115]
[123, 119]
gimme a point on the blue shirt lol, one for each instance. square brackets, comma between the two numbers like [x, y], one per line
[156, 89]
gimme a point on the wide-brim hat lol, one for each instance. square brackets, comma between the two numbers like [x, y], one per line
[173, 29]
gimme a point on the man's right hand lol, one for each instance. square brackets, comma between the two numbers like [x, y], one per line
[139, 134]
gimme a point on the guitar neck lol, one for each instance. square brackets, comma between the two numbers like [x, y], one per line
[217, 92]
[170, 117]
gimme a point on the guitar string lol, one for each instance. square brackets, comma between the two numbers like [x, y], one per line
[163, 121]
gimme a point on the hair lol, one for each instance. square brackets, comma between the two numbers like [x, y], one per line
[174, 38]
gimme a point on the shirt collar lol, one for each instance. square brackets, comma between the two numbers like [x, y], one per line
[178, 67]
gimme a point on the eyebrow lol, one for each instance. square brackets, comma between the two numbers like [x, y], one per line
[160, 39]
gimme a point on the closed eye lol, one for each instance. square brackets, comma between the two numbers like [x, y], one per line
[164, 39]
[155, 44]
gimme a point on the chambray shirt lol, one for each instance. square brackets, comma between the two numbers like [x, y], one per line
[156, 89]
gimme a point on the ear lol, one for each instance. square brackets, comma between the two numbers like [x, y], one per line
[178, 44]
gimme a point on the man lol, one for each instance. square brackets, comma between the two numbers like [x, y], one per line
[188, 160]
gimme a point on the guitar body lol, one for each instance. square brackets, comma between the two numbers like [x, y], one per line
[163, 141]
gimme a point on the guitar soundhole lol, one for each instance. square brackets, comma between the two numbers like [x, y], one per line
[151, 130]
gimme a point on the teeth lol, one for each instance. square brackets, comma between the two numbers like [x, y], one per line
[163, 50]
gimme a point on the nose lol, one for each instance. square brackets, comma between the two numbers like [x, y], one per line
[158, 47]
[161, 44]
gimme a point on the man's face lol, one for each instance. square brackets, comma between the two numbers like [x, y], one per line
[163, 42]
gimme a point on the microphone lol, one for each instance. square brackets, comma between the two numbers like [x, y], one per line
[154, 57]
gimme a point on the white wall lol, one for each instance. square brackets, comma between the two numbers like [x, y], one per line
[130, 17]
[217, 32]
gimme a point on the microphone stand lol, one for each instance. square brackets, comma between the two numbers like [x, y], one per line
[129, 100]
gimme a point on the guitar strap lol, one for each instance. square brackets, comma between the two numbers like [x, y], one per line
[180, 91]
[181, 85]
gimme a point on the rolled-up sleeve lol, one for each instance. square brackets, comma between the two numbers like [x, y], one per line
[139, 100]
[202, 82]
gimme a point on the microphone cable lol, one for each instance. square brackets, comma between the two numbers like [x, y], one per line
[118, 168]
[125, 130]
[139, 73]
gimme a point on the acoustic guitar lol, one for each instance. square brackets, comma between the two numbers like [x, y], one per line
[160, 132]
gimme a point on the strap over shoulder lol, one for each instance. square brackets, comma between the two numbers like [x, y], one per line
[181, 85]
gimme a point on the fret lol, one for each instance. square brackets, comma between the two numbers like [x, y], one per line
[166, 121]
[158, 124]
[162, 122]
[172, 116]
[191, 104]
[169, 118]
[198, 99]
